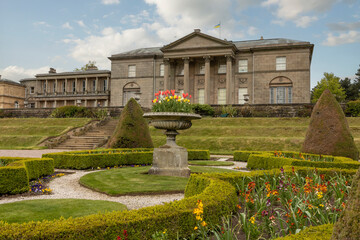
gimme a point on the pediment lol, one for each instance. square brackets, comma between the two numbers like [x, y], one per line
[196, 40]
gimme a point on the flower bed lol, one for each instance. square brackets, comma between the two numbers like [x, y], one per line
[103, 158]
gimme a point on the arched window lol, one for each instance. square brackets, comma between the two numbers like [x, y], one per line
[131, 90]
[16, 104]
[281, 90]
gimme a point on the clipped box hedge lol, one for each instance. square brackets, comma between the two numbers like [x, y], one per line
[321, 232]
[243, 156]
[176, 217]
[267, 160]
[111, 157]
[14, 178]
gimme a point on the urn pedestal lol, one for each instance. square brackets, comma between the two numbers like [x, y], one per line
[170, 159]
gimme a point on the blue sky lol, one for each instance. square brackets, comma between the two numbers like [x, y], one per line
[38, 34]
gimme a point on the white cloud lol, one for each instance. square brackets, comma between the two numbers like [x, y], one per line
[344, 26]
[81, 23]
[67, 26]
[298, 11]
[17, 73]
[41, 23]
[343, 38]
[109, 2]
[136, 19]
[99, 48]
[252, 31]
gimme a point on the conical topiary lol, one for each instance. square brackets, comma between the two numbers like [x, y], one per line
[132, 130]
[328, 131]
[348, 225]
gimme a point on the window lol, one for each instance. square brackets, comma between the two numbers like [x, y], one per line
[181, 70]
[16, 104]
[32, 90]
[202, 69]
[84, 86]
[94, 85]
[280, 63]
[280, 95]
[32, 105]
[222, 96]
[289, 94]
[74, 86]
[201, 96]
[222, 68]
[242, 92]
[243, 65]
[105, 84]
[162, 70]
[64, 87]
[132, 71]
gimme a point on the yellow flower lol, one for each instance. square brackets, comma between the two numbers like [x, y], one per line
[203, 223]
[319, 195]
[164, 231]
[199, 218]
[321, 205]
[179, 100]
[252, 220]
[171, 97]
[195, 228]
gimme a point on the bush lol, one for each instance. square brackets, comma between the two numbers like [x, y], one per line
[132, 130]
[353, 108]
[112, 157]
[246, 111]
[14, 177]
[267, 160]
[322, 232]
[72, 112]
[229, 110]
[243, 156]
[203, 109]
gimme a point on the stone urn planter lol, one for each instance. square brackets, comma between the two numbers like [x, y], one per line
[170, 159]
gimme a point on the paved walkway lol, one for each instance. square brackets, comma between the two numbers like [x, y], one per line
[68, 186]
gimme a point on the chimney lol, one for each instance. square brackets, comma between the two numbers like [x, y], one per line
[52, 70]
[261, 38]
[91, 68]
[197, 30]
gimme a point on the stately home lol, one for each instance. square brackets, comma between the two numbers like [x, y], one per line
[215, 71]
[212, 70]
[12, 94]
[81, 88]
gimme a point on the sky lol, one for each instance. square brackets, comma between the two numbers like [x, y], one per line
[38, 34]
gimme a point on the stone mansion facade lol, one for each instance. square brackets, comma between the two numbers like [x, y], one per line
[212, 70]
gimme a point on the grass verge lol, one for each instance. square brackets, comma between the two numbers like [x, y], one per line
[49, 209]
[137, 181]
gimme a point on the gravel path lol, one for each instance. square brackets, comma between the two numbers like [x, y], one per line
[68, 186]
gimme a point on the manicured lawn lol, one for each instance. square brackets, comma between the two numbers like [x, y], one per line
[225, 135]
[211, 163]
[136, 181]
[49, 209]
[26, 133]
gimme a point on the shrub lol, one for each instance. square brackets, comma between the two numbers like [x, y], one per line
[203, 109]
[353, 108]
[322, 232]
[132, 130]
[111, 157]
[243, 156]
[246, 111]
[72, 112]
[229, 110]
[14, 177]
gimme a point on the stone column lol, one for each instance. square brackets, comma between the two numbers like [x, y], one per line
[56, 86]
[46, 87]
[166, 75]
[186, 76]
[229, 83]
[107, 84]
[86, 85]
[66, 83]
[55, 103]
[36, 87]
[96, 84]
[207, 81]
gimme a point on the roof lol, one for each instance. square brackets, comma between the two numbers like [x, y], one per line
[72, 73]
[4, 80]
[156, 51]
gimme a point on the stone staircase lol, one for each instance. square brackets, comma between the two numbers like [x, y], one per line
[91, 139]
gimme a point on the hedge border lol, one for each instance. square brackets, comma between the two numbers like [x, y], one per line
[112, 157]
[321, 232]
[14, 177]
[266, 160]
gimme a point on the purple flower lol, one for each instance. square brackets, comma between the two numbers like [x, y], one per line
[264, 213]
[268, 203]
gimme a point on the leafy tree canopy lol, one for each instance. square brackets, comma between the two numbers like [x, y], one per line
[90, 64]
[331, 82]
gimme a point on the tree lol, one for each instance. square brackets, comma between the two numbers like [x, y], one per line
[331, 82]
[351, 88]
[89, 65]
